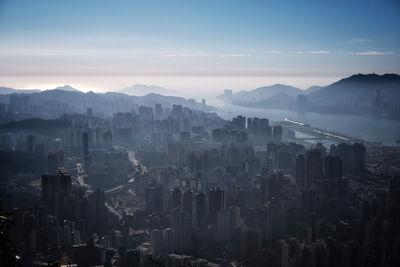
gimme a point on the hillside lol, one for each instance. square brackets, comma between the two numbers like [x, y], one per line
[141, 90]
[263, 93]
[359, 90]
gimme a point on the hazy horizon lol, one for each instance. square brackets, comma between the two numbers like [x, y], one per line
[197, 87]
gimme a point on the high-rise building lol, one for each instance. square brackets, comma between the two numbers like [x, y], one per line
[352, 156]
[200, 212]
[159, 111]
[55, 190]
[227, 220]
[216, 202]
[359, 150]
[187, 202]
[156, 242]
[154, 199]
[239, 123]
[300, 171]
[168, 240]
[224, 225]
[182, 226]
[177, 111]
[333, 167]
[314, 167]
[285, 254]
[175, 197]
[277, 134]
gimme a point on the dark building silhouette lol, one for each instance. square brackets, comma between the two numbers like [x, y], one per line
[216, 202]
[55, 191]
[201, 205]
[175, 198]
[154, 199]
[314, 167]
[187, 202]
[277, 134]
[333, 167]
[301, 171]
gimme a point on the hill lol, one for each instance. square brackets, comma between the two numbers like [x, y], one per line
[360, 94]
[263, 93]
[7, 90]
[66, 88]
[359, 90]
[54, 103]
[141, 90]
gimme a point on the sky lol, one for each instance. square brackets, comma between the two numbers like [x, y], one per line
[195, 46]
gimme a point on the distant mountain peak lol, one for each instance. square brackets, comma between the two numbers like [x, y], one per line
[67, 88]
[142, 89]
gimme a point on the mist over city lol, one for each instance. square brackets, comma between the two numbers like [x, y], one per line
[200, 133]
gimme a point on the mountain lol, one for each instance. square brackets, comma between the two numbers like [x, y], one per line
[55, 103]
[359, 90]
[313, 89]
[360, 94]
[7, 90]
[66, 88]
[141, 89]
[278, 101]
[263, 93]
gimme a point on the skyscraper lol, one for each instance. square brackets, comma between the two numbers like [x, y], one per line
[216, 203]
[55, 190]
[314, 167]
[175, 198]
[156, 242]
[181, 224]
[333, 167]
[158, 111]
[277, 134]
[300, 171]
[200, 203]
[154, 199]
[168, 240]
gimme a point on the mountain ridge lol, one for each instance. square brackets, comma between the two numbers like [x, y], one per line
[142, 89]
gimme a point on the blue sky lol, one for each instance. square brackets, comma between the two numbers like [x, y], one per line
[197, 38]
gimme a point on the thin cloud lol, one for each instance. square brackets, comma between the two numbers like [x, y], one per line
[371, 53]
[313, 52]
[207, 55]
[272, 52]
